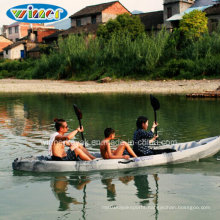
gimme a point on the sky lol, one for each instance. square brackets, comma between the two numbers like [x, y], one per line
[73, 6]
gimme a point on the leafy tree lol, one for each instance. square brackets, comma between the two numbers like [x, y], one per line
[194, 25]
[124, 23]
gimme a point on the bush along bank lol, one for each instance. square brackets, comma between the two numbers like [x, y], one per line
[159, 55]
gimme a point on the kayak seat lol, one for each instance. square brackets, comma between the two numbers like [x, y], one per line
[47, 158]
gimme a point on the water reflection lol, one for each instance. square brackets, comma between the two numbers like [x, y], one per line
[110, 188]
[60, 185]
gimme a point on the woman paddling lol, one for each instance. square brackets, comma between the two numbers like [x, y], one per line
[143, 138]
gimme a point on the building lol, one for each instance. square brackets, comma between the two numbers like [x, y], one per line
[18, 30]
[28, 46]
[15, 51]
[174, 10]
[89, 18]
[36, 34]
[97, 14]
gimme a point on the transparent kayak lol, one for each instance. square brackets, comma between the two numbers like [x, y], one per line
[185, 152]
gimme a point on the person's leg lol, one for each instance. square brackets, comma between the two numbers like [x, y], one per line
[81, 154]
[85, 150]
[120, 150]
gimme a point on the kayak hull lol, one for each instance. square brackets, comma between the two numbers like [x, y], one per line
[185, 152]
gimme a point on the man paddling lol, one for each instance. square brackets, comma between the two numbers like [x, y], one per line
[58, 141]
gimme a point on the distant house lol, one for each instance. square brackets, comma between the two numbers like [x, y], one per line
[15, 51]
[18, 30]
[97, 14]
[175, 10]
[28, 46]
[89, 18]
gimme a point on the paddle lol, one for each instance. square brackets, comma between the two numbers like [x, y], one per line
[79, 116]
[156, 106]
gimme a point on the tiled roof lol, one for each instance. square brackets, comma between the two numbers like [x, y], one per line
[151, 19]
[14, 45]
[89, 28]
[214, 10]
[86, 29]
[200, 3]
[3, 45]
[93, 9]
[53, 36]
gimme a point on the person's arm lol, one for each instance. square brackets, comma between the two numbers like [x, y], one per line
[73, 133]
[112, 156]
[69, 136]
[153, 139]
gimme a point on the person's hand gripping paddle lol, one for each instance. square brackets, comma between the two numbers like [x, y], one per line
[79, 116]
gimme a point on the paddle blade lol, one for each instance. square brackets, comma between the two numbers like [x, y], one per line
[78, 112]
[155, 103]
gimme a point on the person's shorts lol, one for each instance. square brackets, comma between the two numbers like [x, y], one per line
[126, 153]
[71, 156]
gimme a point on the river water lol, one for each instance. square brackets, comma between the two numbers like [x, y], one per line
[187, 191]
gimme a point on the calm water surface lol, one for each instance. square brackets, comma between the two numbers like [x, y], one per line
[188, 191]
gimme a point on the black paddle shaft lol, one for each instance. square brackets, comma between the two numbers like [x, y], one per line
[79, 116]
[156, 106]
[155, 118]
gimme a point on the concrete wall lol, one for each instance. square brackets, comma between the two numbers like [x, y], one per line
[177, 8]
[12, 36]
[106, 17]
[14, 53]
[86, 20]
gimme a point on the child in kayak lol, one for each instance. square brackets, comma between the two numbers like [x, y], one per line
[122, 150]
[58, 141]
[142, 138]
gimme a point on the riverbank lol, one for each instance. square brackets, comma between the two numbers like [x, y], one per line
[71, 87]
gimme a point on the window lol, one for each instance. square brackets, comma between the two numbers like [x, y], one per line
[10, 30]
[169, 12]
[94, 19]
[6, 52]
[16, 29]
[78, 22]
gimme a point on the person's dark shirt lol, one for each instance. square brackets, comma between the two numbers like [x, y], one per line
[141, 142]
